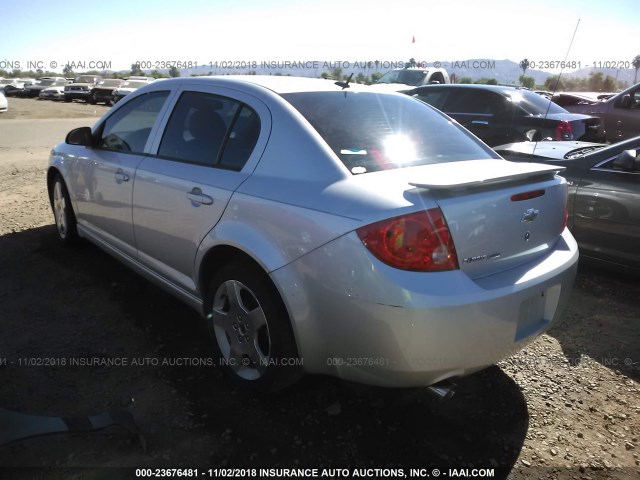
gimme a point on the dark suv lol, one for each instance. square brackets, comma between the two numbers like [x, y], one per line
[499, 115]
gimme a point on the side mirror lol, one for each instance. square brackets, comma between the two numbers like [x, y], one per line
[80, 136]
[625, 161]
[625, 101]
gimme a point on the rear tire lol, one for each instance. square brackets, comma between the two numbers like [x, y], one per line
[65, 218]
[251, 330]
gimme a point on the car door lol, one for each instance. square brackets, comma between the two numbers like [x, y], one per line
[103, 175]
[623, 120]
[607, 213]
[486, 114]
[208, 148]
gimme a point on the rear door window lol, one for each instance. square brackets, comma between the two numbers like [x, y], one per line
[211, 130]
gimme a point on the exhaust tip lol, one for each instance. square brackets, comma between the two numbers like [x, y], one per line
[443, 390]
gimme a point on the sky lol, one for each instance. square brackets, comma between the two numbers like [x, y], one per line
[119, 33]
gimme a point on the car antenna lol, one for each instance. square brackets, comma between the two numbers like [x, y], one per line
[345, 84]
[555, 87]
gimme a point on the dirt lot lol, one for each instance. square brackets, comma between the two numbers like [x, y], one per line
[568, 406]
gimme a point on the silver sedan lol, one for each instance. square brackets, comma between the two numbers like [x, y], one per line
[322, 227]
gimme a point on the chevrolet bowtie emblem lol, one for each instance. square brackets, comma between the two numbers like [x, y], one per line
[530, 215]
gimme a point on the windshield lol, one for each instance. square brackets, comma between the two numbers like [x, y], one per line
[46, 82]
[110, 83]
[534, 104]
[134, 84]
[371, 132]
[408, 77]
[84, 79]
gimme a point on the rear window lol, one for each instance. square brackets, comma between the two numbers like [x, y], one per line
[371, 131]
[534, 104]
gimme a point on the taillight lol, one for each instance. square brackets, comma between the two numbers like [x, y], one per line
[564, 131]
[418, 241]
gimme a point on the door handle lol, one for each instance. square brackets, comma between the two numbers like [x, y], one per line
[120, 176]
[196, 196]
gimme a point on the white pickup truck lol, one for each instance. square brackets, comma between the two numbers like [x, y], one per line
[413, 77]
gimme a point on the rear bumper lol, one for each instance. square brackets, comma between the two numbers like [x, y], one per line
[358, 319]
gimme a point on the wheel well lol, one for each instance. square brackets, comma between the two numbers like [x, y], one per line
[51, 174]
[217, 257]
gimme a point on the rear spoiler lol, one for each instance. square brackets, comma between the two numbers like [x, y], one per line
[478, 173]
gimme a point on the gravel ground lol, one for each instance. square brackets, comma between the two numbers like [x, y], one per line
[567, 406]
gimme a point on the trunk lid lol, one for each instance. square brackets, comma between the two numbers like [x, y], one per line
[501, 214]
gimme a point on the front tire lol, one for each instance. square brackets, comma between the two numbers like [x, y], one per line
[251, 330]
[63, 212]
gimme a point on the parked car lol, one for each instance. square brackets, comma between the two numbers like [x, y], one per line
[604, 194]
[81, 88]
[34, 89]
[322, 227]
[500, 114]
[15, 87]
[620, 113]
[414, 76]
[128, 87]
[7, 81]
[568, 99]
[4, 105]
[52, 93]
[103, 91]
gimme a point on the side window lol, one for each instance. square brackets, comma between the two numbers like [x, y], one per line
[128, 129]
[468, 102]
[210, 130]
[242, 139]
[435, 98]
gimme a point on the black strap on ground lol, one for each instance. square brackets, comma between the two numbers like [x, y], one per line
[15, 427]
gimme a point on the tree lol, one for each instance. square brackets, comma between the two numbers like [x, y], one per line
[411, 63]
[336, 73]
[135, 70]
[527, 82]
[375, 77]
[67, 71]
[636, 65]
[486, 81]
[326, 75]
[595, 81]
[554, 83]
[465, 80]
[524, 65]
[157, 74]
[609, 84]
[360, 78]
[174, 72]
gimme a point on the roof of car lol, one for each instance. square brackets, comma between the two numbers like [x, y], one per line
[276, 83]
[477, 86]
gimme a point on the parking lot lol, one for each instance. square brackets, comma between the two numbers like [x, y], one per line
[565, 407]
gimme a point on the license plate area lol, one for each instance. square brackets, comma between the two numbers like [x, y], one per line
[537, 312]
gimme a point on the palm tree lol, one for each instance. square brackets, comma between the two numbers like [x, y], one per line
[636, 65]
[524, 64]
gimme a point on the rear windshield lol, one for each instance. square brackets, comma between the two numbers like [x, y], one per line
[534, 104]
[371, 132]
